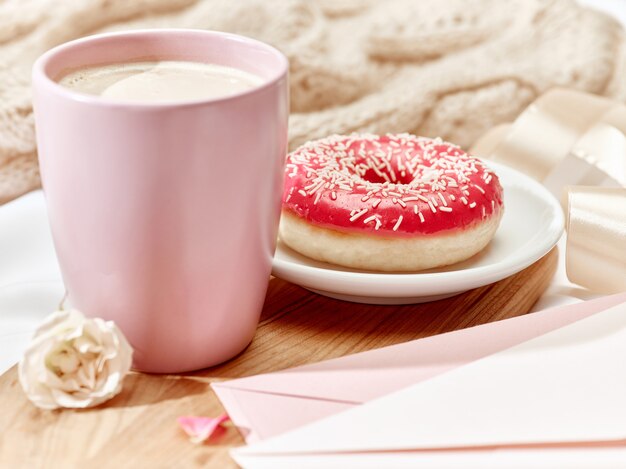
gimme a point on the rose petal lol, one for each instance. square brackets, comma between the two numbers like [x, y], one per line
[86, 345]
[86, 376]
[200, 429]
[59, 320]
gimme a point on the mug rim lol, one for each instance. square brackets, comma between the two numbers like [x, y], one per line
[40, 77]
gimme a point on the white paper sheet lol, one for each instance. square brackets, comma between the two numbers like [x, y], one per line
[564, 388]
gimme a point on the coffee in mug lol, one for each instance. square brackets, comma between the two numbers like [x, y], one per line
[162, 81]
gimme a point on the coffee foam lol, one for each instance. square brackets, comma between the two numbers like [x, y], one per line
[163, 81]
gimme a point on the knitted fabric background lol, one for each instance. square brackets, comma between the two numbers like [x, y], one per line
[449, 68]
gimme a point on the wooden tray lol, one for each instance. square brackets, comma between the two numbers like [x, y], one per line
[138, 428]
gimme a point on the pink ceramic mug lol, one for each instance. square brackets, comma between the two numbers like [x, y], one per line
[164, 216]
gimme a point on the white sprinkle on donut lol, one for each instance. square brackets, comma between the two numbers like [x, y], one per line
[357, 215]
[397, 225]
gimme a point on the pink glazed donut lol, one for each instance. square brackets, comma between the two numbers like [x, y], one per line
[388, 203]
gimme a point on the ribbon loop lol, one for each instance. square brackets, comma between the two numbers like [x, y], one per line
[575, 143]
[596, 238]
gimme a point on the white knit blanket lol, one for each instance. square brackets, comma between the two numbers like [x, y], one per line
[449, 68]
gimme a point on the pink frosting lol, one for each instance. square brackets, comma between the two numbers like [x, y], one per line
[389, 185]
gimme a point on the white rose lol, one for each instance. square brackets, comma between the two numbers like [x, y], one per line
[74, 362]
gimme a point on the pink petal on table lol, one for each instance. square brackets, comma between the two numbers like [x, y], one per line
[200, 429]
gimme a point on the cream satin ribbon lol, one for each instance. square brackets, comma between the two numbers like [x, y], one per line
[575, 143]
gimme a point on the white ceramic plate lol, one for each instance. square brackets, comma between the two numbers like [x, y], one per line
[532, 224]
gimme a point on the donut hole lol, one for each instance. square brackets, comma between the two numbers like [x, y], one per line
[390, 167]
[392, 175]
[373, 176]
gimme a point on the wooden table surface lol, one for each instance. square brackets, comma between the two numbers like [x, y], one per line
[138, 427]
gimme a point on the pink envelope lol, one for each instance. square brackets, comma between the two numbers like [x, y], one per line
[266, 405]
